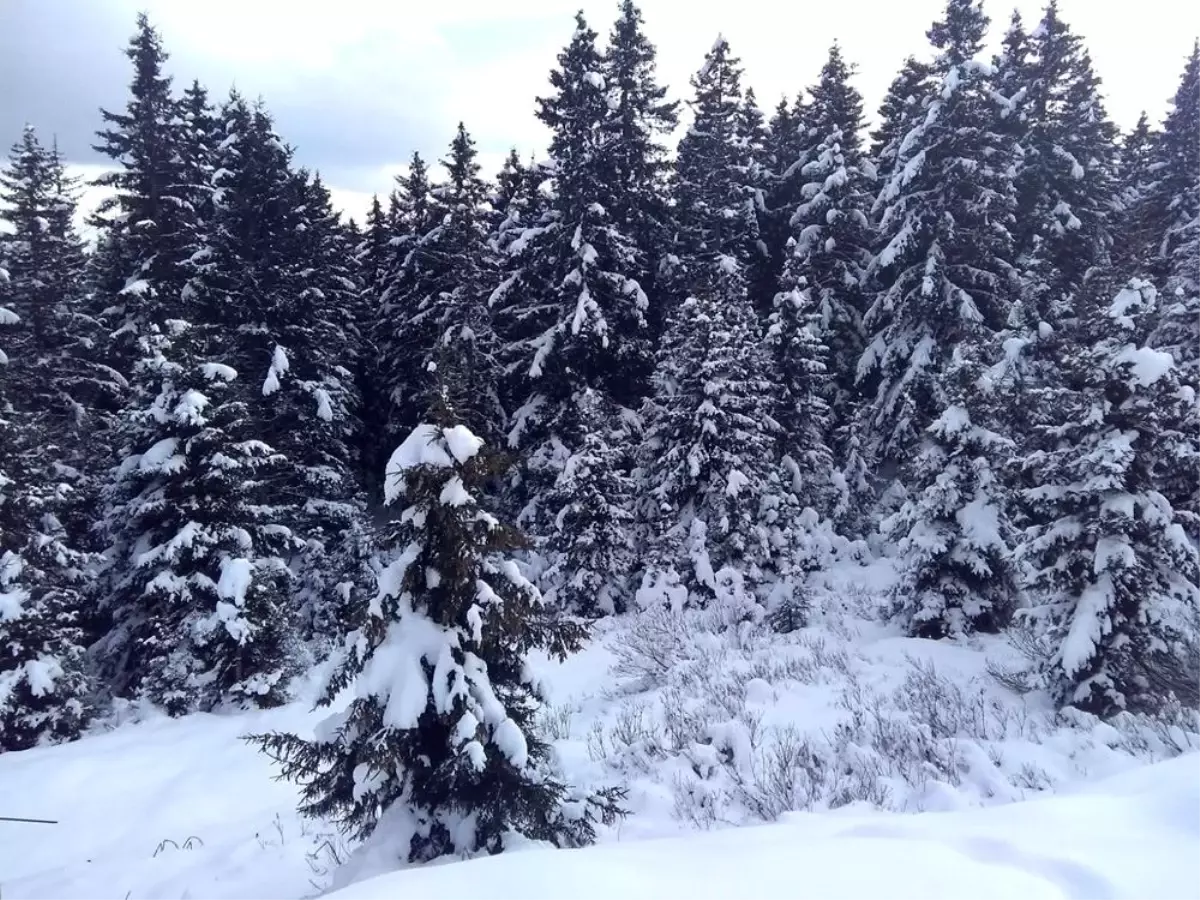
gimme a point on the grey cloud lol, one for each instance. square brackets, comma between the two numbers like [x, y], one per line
[61, 60]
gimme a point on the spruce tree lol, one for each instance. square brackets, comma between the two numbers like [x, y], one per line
[570, 310]
[1115, 578]
[954, 536]
[902, 108]
[1135, 245]
[44, 688]
[830, 253]
[441, 742]
[1066, 179]
[710, 467]
[1173, 199]
[594, 531]
[945, 260]
[639, 118]
[148, 222]
[440, 302]
[199, 589]
[314, 412]
[716, 196]
[411, 216]
[57, 384]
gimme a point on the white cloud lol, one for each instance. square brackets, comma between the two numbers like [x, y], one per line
[403, 74]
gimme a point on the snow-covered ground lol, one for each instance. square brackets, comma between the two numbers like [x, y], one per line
[836, 734]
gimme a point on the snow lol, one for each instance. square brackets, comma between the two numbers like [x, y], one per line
[999, 798]
[429, 445]
[214, 371]
[324, 405]
[1147, 365]
[462, 443]
[454, 493]
[595, 79]
[235, 580]
[136, 287]
[279, 365]
[160, 457]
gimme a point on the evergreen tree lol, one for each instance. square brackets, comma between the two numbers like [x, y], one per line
[197, 580]
[57, 386]
[710, 469]
[202, 134]
[1066, 181]
[710, 465]
[639, 118]
[903, 108]
[594, 531]
[954, 536]
[1135, 246]
[1173, 199]
[148, 222]
[1115, 578]
[442, 297]
[44, 689]
[315, 412]
[715, 192]
[785, 152]
[946, 250]
[440, 743]
[571, 311]
[412, 215]
[830, 253]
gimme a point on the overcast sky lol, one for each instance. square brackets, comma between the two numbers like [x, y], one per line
[357, 85]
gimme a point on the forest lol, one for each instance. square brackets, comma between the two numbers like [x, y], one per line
[244, 437]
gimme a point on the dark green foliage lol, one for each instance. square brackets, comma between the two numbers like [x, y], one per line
[443, 731]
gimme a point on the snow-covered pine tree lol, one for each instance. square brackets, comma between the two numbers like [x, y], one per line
[438, 753]
[594, 532]
[710, 466]
[639, 118]
[201, 136]
[197, 581]
[785, 151]
[761, 273]
[1135, 247]
[1066, 176]
[946, 247]
[570, 311]
[830, 253]
[412, 215]
[281, 272]
[373, 250]
[716, 199]
[1011, 71]
[440, 302]
[954, 535]
[903, 107]
[44, 690]
[1173, 202]
[1115, 579]
[56, 384]
[147, 224]
[1173, 199]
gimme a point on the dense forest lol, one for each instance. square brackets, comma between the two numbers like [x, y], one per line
[242, 434]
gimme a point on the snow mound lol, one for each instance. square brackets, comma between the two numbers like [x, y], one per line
[1126, 838]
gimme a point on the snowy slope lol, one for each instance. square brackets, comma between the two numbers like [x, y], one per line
[1132, 836]
[712, 725]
